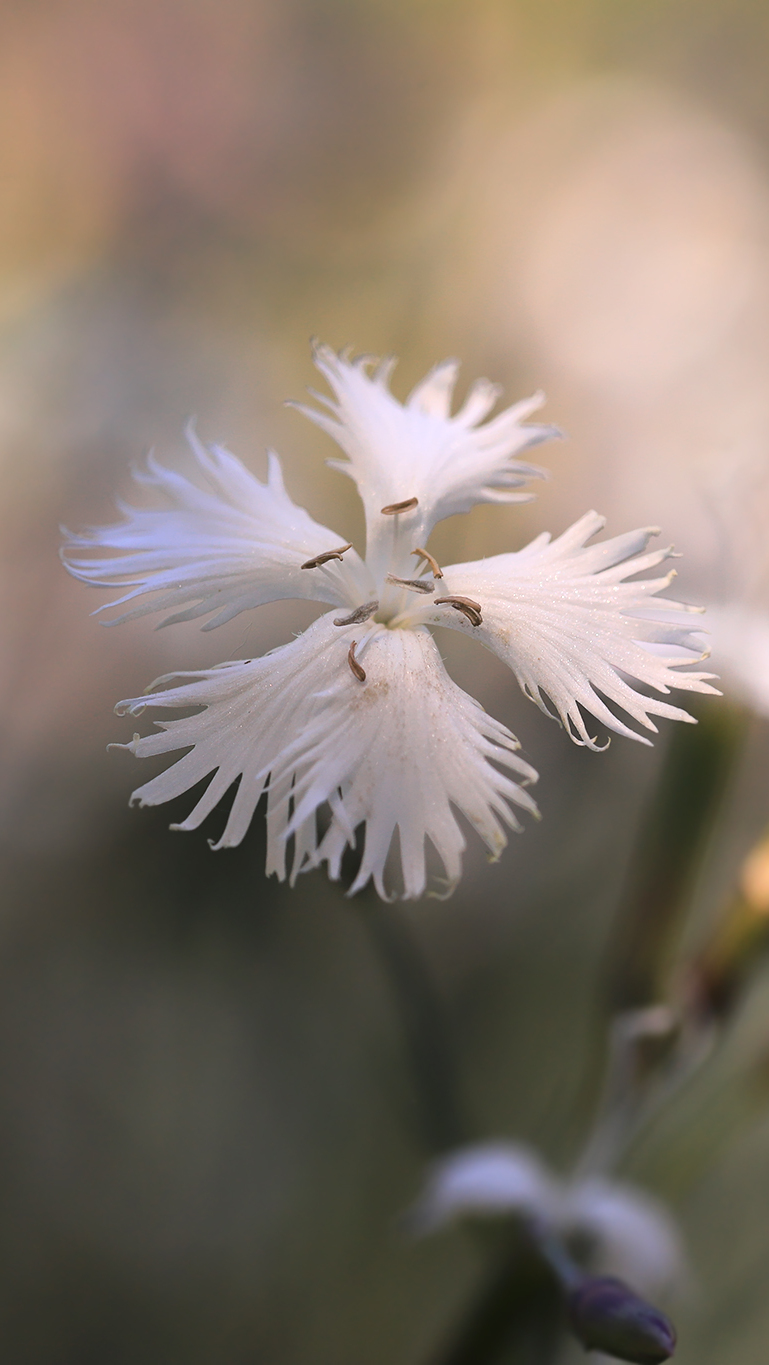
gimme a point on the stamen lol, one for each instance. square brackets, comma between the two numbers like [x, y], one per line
[468, 608]
[325, 557]
[357, 617]
[416, 584]
[355, 667]
[393, 508]
[437, 571]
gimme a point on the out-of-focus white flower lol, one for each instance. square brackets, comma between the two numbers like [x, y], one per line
[632, 1233]
[626, 1231]
[494, 1178]
[358, 713]
[640, 272]
[739, 640]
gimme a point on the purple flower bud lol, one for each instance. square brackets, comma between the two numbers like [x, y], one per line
[607, 1316]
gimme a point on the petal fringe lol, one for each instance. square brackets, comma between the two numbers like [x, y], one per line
[401, 751]
[576, 635]
[417, 449]
[223, 545]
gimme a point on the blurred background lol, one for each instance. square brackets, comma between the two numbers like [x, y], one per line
[208, 1125]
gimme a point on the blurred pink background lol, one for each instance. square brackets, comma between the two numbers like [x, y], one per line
[204, 1108]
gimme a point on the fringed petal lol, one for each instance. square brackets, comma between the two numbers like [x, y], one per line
[252, 711]
[399, 751]
[400, 451]
[575, 633]
[222, 545]
[396, 751]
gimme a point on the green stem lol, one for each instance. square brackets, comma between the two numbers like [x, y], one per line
[698, 764]
[423, 1021]
[518, 1307]
[517, 1316]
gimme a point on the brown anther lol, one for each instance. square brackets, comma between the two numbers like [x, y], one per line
[468, 608]
[415, 584]
[393, 508]
[325, 557]
[357, 617]
[435, 567]
[474, 617]
[355, 668]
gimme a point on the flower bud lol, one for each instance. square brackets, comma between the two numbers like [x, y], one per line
[606, 1315]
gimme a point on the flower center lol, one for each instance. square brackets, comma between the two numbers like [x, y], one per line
[393, 560]
[394, 607]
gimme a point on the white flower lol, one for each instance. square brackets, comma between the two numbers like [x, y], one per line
[358, 714]
[627, 1232]
[739, 641]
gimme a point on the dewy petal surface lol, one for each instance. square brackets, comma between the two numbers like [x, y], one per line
[397, 751]
[561, 615]
[418, 449]
[223, 545]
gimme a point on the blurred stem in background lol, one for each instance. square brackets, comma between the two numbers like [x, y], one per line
[518, 1314]
[533, 1288]
[519, 1302]
[536, 1291]
[699, 763]
[668, 1016]
[665, 1020]
[714, 978]
[441, 1122]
